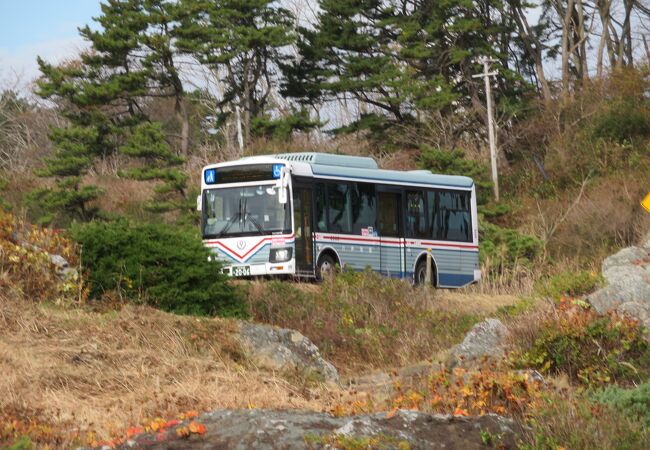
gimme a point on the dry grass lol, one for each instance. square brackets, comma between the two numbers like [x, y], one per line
[363, 322]
[105, 371]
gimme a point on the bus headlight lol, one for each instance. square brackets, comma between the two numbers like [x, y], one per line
[280, 254]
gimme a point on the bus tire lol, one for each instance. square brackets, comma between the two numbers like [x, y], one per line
[421, 272]
[325, 267]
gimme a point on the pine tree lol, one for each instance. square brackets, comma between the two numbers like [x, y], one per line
[159, 162]
[398, 58]
[242, 41]
[105, 97]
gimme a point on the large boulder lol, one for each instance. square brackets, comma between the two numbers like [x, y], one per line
[272, 429]
[284, 350]
[486, 340]
[627, 274]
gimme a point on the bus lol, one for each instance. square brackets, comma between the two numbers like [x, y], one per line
[303, 214]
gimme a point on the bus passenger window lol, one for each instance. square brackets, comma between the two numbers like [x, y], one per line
[364, 208]
[340, 217]
[450, 216]
[415, 215]
[321, 217]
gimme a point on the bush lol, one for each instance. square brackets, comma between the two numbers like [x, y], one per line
[561, 421]
[624, 121]
[164, 266]
[591, 349]
[633, 403]
[506, 247]
[571, 284]
[25, 266]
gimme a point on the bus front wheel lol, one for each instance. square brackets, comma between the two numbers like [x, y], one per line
[420, 275]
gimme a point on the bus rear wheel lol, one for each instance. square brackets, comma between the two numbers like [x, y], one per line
[325, 267]
[420, 275]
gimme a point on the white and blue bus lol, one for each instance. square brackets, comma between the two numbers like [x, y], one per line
[301, 214]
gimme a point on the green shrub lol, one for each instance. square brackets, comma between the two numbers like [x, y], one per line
[571, 284]
[506, 247]
[624, 121]
[591, 349]
[633, 403]
[561, 421]
[162, 265]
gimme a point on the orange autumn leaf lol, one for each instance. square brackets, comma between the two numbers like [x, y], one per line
[133, 431]
[182, 432]
[392, 412]
[460, 412]
[197, 428]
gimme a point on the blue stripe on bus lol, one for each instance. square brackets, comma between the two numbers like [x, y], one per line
[455, 279]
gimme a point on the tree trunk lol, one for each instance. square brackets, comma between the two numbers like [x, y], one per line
[604, 7]
[533, 47]
[183, 117]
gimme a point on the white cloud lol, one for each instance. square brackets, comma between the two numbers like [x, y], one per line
[18, 68]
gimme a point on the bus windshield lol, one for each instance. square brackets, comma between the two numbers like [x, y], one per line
[241, 211]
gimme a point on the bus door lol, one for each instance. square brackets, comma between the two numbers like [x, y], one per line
[389, 214]
[302, 217]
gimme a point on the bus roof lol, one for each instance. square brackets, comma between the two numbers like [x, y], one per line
[326, 165]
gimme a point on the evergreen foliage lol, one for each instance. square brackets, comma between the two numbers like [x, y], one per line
[242, 42]
[165, 266]
[105, 97]
[399, 58]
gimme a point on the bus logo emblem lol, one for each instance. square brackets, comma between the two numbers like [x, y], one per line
[241, 244]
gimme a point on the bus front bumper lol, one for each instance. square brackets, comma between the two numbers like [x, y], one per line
[255, 270]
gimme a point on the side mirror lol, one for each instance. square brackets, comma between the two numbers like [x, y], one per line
[198, 203]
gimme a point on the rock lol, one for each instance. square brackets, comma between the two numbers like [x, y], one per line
[486, 339]
[272, 429]
[284, 350]
[627, 274]
[59, 261]
[62, 267]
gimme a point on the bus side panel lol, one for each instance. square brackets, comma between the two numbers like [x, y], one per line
[392, 257]
[469, 264]
[355, 252]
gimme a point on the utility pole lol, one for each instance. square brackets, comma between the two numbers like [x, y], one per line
[491, 132]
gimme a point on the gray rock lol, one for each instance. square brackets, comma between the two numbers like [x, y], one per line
[284, 350]
[627, 274]
[272, 429]
[486, 340]
[59, 261]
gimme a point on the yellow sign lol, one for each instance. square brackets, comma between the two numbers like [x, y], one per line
[646, 202]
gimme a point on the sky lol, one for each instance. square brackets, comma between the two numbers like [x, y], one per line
[46, 28]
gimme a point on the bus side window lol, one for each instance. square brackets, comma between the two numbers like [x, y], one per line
[364, 209]
[321, 217]
[339, 210]
[415, 215]
[450, 216]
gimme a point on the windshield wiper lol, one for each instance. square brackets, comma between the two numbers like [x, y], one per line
[254, 221]
[231, 222]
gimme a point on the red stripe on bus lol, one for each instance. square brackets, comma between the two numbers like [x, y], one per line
[431, 244]
[270, 238]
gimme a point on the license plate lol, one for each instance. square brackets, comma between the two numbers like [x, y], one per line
[241, 271]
